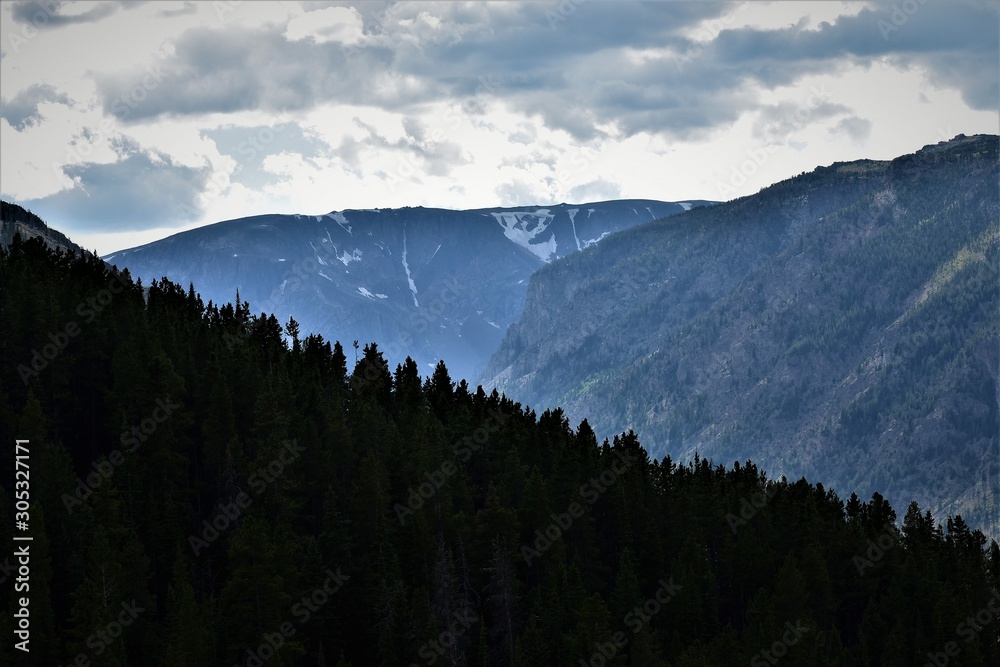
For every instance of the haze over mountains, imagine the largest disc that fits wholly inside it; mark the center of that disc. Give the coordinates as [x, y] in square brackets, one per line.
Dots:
[444, 411]
[421, 282]
[841, 325]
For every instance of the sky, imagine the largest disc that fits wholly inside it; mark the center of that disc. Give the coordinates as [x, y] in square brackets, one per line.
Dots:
[125, 122]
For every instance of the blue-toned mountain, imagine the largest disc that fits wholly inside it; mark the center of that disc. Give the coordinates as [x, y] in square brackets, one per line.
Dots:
[841, 325]
[429, 283]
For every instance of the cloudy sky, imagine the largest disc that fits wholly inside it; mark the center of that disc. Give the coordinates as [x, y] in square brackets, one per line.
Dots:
[123, 122]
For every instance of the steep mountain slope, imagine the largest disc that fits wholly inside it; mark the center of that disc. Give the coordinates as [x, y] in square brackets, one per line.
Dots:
[429, 283]
[262, 504]
[16, 220]
[842, 324]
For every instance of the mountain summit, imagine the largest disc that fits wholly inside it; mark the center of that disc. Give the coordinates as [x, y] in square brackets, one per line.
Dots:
[425, 282]
[842, 325]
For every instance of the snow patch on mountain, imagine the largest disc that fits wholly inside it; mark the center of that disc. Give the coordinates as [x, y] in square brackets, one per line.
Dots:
[322, 262]
[346, 259]
[587, 244]
[339, 218]
[523, 227]
[363, 291]
[572, 214]
[409, 278]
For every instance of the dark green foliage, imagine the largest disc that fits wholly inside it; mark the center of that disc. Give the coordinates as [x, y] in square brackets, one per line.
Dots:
[256, 494]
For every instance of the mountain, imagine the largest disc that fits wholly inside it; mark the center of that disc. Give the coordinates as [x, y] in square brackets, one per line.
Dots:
[197, 504]
[424, 282]
[16, 220]
[842, 324]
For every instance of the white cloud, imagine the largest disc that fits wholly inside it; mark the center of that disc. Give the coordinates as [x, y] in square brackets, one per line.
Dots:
[468, 105]
[333, 24]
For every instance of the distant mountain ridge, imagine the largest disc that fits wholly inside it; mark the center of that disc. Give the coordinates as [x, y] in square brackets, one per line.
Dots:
[425, 282]
[842, 325]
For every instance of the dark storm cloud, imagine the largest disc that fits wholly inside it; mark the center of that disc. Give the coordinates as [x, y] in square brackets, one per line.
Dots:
[137, 192]
[49, 13]
[21, 111]
[492, 51]
[956, 41]
[576, 67]
[240, 69]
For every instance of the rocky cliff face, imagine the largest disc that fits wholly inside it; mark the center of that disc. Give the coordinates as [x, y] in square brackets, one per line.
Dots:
[16, 220]
[841, 325]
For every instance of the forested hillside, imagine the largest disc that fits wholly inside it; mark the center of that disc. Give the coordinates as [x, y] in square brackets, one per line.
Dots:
[210, 488]
[843, 324]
